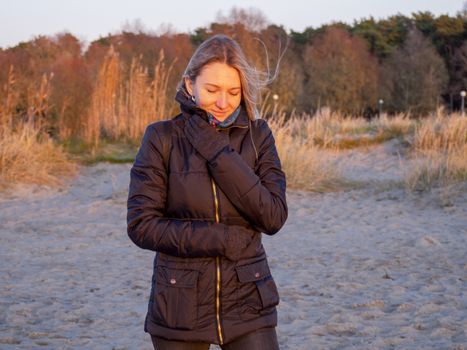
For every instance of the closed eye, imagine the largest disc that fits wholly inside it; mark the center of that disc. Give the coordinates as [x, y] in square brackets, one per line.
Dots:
[231, 93]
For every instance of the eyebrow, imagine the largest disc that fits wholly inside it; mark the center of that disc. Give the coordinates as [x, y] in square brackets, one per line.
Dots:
[217, 86]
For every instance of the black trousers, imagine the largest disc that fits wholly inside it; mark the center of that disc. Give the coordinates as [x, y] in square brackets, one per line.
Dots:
[261, 339]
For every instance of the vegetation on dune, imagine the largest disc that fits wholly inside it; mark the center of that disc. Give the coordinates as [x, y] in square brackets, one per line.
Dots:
[30, 156]
[440, 146]
[59, 101]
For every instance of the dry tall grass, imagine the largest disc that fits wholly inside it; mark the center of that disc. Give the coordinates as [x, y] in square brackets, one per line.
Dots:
[308, 146]
[31, 157]
[398, 125]
[27, 154]
[302, 160]
[8, 101]
[440, 150]
[333, 130]
[122, 106]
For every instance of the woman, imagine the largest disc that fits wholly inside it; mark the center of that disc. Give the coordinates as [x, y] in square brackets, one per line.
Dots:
[203, 188]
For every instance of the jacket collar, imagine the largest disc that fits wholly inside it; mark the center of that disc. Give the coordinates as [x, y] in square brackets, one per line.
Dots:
[189, 107]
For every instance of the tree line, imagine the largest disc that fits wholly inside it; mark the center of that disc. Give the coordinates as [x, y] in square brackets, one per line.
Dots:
[412, 64]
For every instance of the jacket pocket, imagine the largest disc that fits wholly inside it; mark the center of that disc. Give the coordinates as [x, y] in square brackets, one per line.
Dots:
[257, 291]
[175, 297]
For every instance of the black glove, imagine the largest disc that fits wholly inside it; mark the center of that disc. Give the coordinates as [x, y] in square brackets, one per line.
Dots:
[237, 240]
[204, 137]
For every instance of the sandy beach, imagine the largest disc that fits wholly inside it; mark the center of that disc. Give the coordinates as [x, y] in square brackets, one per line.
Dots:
[374, 268]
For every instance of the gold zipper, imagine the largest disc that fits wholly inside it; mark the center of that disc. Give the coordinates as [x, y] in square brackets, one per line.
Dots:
[216, 203]
[218, 271]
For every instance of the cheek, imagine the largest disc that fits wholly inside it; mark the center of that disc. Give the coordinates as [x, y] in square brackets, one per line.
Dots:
[236, 101]
[204, 99]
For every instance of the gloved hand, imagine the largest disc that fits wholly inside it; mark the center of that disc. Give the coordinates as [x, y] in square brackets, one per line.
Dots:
[238, 238]
[204, 137]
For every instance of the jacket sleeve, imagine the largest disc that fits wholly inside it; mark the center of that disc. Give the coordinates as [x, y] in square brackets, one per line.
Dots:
[146, 225]
[258, 194]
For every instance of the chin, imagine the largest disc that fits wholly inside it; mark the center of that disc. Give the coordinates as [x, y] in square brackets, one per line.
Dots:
[220, 116]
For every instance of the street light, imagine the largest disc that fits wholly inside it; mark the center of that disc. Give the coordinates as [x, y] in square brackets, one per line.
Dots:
[380, 106]
[463, 93]
[275, 97]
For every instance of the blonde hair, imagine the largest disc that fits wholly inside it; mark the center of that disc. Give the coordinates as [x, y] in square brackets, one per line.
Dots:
[223, 49]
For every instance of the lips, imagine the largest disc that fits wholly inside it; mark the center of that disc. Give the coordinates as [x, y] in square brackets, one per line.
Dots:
[218, 112]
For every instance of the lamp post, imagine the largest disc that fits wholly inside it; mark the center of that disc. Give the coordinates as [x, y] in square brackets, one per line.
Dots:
[463, 93]
[275, 97]
[380, 106]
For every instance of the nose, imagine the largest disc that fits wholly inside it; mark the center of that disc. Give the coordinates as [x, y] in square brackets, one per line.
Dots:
[222, 102]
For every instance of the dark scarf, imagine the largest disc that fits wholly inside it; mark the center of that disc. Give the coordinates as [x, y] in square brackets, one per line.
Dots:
[188, 106]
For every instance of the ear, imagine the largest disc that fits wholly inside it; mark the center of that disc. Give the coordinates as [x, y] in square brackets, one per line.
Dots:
[188, 85]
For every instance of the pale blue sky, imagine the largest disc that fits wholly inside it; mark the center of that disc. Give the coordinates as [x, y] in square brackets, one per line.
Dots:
[20, 20]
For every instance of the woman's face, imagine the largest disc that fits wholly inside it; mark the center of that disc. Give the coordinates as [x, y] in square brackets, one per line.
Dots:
[217, 89]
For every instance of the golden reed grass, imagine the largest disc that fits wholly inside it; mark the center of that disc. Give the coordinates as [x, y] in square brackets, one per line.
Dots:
[394, 126]
[333, 130]
[302, 160]
[440, 152]
[122, 106]
[27, 154]
[308, 146]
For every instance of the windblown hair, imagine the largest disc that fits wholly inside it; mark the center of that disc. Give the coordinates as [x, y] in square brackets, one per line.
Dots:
[223, 49]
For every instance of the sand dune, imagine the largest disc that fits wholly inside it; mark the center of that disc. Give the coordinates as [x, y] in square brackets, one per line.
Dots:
[364, 269]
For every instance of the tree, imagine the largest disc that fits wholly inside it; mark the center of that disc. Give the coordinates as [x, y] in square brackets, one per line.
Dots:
[394, 30]
[463, 12]
[244, 26]
[371, 32]
[341, 72]
[414, 76]
[71, 93]
[285, 60]
[458, 73]
[252, 19]
[425, 22]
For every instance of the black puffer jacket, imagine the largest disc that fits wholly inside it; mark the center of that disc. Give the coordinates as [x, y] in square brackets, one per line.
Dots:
[193, 212]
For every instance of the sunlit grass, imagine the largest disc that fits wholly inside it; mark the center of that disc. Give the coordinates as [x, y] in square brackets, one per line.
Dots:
[303, 161]
[437, 147]
[27, 156]
[440, 149]
[332, 130]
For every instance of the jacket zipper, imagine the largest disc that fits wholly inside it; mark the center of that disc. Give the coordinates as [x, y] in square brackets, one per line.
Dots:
[218, 271]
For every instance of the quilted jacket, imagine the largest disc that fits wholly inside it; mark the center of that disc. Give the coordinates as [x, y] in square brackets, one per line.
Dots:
[188, 211]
